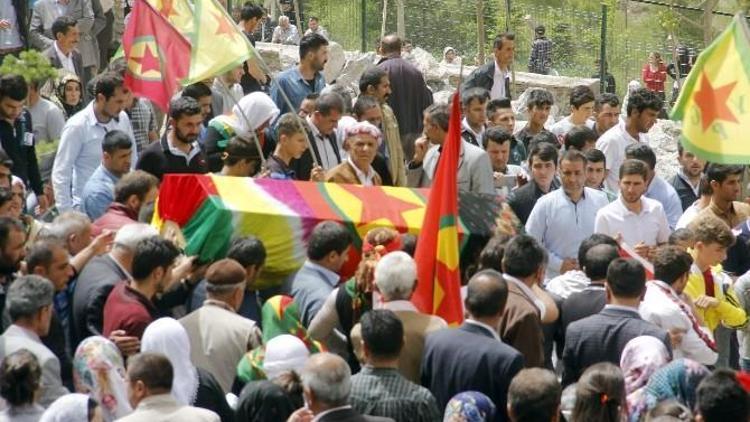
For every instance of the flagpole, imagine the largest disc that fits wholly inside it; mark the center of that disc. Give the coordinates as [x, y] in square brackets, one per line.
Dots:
[247, 121]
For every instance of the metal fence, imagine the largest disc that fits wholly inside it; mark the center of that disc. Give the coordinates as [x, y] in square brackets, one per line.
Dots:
[632, 30]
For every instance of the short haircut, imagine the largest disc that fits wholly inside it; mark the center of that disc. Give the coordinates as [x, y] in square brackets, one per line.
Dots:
[578, 137]
[154, 370]
[328, 103]
[501, 38]
[250, 11]
[671, 263]
[572, 155]
[523, 256]
[471, 94]
[596, 156]
[491, 257]
[61, 25]
[327, 237]
[364, 103]
[107, 83]
[626, 278]
[41, 253]
[497, 104]
[239, 149]
[343, 91]
[184, 106]
[606, 98]
[534, 395]
[196, 91]
[539, 97]
[382, 333]
[600, 394]
[13, 87]
[543, 151]
[20, 377]
[580, 95]
[683, 234]
[138, 183]
[486, 299]
[288, 125]
[391, 44]
[396, 275]
[69, 223]
[310, 43]
[720, 172]
[544, 136]
[116, 140]
[643, 152]
[720, 397]
[591, 241]
[643, 99]
[439, 115]
[631, 167]
[597, 260]
[371, 77]
[328, 377]
[27, 295]
[496, 135]
[247, 250]
[153, 253]
[708, 229]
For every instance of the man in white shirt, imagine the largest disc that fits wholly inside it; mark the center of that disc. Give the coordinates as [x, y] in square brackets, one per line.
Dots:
[665, 305]
[581, 109]
[474, 104]
[497, 143]
[643, 109]
[636, 220]
[285, 33]
[658, 188]
[563, 218]
[80, 149]
[495, 75]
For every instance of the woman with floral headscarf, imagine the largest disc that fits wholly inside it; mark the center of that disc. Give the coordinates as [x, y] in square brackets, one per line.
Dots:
[641, 357]
[68, 94]
[470, 406]
[99, 371]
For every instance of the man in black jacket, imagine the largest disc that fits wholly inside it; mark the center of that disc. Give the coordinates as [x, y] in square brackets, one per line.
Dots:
[543, 166]
[495, 75]
[687, 181]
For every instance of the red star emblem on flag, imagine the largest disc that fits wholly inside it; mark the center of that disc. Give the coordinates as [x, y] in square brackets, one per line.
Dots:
[148, 61]
[225, 27]
[712, 102]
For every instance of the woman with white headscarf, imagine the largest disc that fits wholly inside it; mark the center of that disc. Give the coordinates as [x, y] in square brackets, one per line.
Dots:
[191, 386]
[74, 407]
[253, 114]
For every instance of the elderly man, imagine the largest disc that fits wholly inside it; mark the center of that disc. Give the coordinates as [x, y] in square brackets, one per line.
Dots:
[362, 142]
[285, 33]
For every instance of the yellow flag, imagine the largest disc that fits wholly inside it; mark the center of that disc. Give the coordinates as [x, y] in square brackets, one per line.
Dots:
[179, 13]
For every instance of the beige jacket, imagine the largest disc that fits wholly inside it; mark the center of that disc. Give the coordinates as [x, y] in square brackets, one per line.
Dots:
[395, 149]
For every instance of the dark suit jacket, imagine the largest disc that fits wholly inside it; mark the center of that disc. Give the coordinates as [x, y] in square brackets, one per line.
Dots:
[22, 17]
[303, 166]
[684, 191]
[409, 98]
[523, 199]
[484, 77]
[51, 54]
[521, 327]
[469, 358]
[351, 415]
[602, 338]
[579, 305]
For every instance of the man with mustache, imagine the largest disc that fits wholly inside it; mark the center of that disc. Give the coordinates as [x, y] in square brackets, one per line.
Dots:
[304, 79]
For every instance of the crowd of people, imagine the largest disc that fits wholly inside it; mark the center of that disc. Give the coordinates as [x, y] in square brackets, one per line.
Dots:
[615, 295]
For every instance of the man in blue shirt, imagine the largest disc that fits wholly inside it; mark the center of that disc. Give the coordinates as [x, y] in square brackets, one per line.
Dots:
[305, 78]
[99, 190]
[658, 188]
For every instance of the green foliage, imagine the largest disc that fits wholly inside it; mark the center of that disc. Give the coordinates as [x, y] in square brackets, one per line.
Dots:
[32, 65]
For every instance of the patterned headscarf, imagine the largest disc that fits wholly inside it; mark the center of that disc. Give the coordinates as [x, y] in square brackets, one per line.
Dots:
[677, 380]
[99, 371]
[280, 315]
[469, 406]
[641, 357]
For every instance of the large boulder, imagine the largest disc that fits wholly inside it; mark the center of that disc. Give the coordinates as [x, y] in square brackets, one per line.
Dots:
[663, 138]
[336, 62]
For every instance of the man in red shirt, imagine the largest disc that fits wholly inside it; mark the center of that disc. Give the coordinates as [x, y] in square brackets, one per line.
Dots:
[132, 192]
[130, 306]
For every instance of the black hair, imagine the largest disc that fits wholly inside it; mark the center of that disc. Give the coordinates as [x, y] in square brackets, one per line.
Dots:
[643, 152]
[720, 172]
[247, 250]
[643, 99]
[497, 104]
[485, 299]
[364, 103]
[6, 225]
[600, 394]
[538, 98]
[184, 106]
[327, 237]
[543, 137]
[107, 83]
[196, 91]
[496, 135]
[626, 278]
[115, 140]
[239, 149]
[138, 183]
[671, 263]
[20, 377]
[634, 167]
[371, 77]
[152, 253]
[310, 43]
[591, 241]
[41, 253]
[382, 333]
[544, 151]
[491, 257]
[328, 103]
[597, 260]
[578, 137]
[13, 87]
[606, 98]
[523, 256]
[595, 156]
[154, 370]
[250, 11]
[580, 95]
[62, 24]
[720, 397]
[500, 38]
[572, 155]
[471, 94]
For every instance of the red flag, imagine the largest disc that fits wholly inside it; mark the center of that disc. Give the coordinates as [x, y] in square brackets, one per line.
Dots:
[157, 55]
[438, 289]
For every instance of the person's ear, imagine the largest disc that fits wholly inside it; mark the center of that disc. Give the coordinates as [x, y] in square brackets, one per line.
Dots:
[133, 202]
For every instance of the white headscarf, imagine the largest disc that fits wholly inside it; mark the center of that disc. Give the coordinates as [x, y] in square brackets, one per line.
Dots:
[68, 408]
[258, 108]
[284, 353]
[168, 337]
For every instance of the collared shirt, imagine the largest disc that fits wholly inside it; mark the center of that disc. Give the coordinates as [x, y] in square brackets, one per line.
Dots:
[478, 136]
[695, 187]
[736, 214]
[498, 83]
[564, 285]
[288, 35]
[321, 414]
[9, 38]
[650, 226]
[328, 158]
[634, 311]
[327, 275]
[528, 292]
[493, 331]
[143, 120]
[65, 60]
[728, 312]
[295, 87]
[663, 192]
[385, 392]
[561, 225]
[80, 153]
[365, 179]
[613, 143]
[195, 149]
[98, 193]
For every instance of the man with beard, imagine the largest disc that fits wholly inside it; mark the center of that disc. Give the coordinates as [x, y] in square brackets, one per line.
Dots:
[304, 79]
[178, 151]
[688, 178]
[12, 252]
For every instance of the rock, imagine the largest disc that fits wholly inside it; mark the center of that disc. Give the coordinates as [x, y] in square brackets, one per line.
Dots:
[278, 56]
[356, 64]
[336, 62]
[663, 138]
